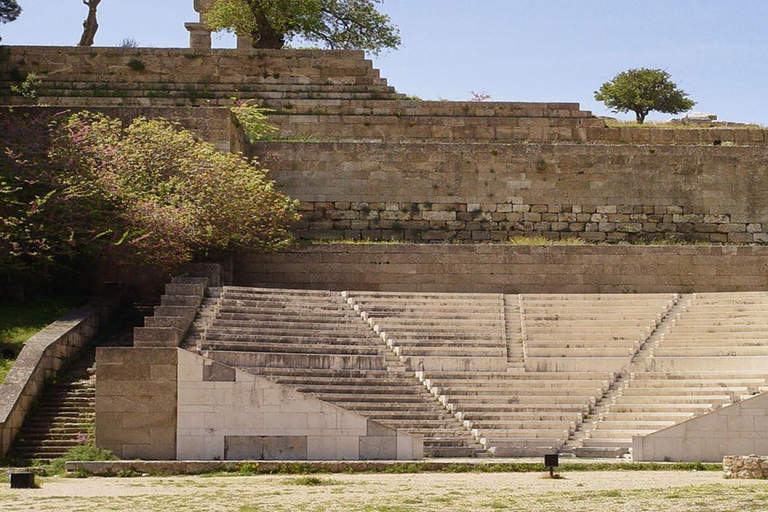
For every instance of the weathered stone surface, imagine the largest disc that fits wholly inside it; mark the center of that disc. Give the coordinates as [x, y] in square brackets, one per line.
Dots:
[136, 402]
[509, 268]
[40, 359]
[745, 467]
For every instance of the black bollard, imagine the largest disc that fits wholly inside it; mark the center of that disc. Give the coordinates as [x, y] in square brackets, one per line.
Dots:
[22, 480]
[551, 461]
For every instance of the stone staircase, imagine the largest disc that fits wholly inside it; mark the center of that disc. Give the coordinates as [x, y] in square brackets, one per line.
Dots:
[63, 417]
[313, 342]
[458, 343]
[688, 367]
[175, 77]
[588, 332]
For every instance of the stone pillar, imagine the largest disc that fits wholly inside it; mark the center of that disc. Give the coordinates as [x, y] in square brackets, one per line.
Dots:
[244, 42]
[199, 35]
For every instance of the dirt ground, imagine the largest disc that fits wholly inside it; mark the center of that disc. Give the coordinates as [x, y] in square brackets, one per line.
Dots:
[583, 491]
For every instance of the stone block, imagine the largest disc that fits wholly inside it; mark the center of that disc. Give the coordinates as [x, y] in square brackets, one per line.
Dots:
[265, 448]
[378, 447]
[148, 337]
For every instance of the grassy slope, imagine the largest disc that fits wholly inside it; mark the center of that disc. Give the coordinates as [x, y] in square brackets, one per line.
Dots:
[20, 320]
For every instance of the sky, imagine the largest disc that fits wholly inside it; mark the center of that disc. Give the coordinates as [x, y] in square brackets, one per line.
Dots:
[513, 50]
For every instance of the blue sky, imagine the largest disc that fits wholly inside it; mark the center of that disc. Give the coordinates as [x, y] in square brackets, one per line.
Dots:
[532, 50]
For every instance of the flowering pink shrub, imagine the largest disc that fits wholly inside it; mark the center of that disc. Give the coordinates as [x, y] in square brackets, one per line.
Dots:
[148, 193]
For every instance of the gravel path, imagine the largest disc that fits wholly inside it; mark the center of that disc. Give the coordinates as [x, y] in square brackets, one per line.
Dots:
[598, 490]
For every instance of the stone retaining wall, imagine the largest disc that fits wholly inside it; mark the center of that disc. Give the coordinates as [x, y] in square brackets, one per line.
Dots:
[479, 192]
[40, 359]
[508, 268]
[211, 124]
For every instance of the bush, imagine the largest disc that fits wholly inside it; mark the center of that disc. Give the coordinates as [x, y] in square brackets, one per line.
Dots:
[84, 452]
[146, 193]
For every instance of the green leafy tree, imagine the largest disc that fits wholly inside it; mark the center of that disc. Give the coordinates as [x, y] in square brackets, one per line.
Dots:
[337, 24]
[91, 188]
[642, 91]
[9, 11]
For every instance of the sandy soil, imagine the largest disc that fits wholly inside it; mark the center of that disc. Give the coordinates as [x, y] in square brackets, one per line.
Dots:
[598, 490]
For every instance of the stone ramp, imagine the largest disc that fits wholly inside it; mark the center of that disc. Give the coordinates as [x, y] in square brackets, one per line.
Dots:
[313, 342]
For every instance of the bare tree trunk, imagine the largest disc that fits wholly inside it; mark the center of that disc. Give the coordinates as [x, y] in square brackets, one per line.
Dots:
[90, 25]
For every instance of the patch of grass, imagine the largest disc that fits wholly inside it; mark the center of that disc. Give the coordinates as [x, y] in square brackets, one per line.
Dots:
[136, 65]
[540, 240]
[311, 481]
[612, 123]
[85, 452]
[20, 320]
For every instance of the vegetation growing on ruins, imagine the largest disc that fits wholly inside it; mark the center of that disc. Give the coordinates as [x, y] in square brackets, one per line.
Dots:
[337, 24]
[642, 91]
[90, 188]
[253, 120]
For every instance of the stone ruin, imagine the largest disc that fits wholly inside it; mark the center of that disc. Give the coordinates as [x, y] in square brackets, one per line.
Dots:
[200, 35]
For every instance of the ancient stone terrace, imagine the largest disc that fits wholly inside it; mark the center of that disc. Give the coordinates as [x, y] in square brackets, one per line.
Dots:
[510, 374]
[314, 94]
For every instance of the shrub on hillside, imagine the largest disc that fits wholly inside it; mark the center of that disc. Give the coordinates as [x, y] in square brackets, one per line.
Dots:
[147, 193]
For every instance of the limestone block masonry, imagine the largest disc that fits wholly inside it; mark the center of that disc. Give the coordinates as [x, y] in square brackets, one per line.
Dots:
[171, 404]
[227, 414]
[136, 392]
[737, 429]
[507, 268]
[428, 192]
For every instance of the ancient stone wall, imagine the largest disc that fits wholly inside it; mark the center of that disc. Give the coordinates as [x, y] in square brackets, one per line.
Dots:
[508, 268]
[211, 124]
[472, 192]
[229, 414]
[89, 67]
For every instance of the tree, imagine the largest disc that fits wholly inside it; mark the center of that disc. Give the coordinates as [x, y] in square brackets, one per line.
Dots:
[92, 188]
[642, 91]
[90, 25]
[338, 24]
[9, 11]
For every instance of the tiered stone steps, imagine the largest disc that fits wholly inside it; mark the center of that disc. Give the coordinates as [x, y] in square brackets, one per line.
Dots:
[63, 417]
[691, 368]
[313, 342]
[439, 331]
[588, 332]
[448, 338]
[519, 414]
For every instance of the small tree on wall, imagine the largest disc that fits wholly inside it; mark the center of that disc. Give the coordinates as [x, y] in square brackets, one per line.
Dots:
[338, 24]
[90, 25]
[642, 91]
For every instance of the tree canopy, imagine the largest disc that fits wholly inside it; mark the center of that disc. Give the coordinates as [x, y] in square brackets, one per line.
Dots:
[9, 11]
[337, 24]
[642, 91]
[149, 192]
